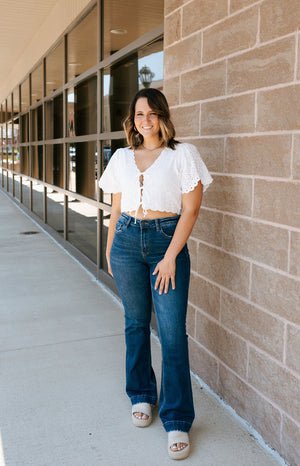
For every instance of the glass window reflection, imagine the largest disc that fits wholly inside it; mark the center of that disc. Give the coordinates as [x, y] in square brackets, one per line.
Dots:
[16, 101]
[82, 108]
[54, 69]
[54, 118]
[125, 22]
[55, 164]
[25, 95]
[24, 160]
[37, 162]
[37, 84]
[121, 81]
[82, 168]
[37, 124]
[83, 227]
[82, 45]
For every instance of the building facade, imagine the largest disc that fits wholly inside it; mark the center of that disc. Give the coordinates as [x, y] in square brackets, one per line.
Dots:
[231, 72]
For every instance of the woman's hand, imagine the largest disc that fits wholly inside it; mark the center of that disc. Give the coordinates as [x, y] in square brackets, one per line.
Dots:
[166, 271]
[108, 263]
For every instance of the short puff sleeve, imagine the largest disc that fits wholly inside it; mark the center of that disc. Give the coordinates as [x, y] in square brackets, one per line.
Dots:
[193, 170]
[109, 180]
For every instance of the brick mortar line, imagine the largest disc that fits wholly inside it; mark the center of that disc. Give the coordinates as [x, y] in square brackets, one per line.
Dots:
[236, 53]
[252, 345]
[240, 135]
[253, 219]
[249, 343]
[256, 177]
[249, 259]
[246, 382]
[253, 91]
[246, 301]
[296, 55]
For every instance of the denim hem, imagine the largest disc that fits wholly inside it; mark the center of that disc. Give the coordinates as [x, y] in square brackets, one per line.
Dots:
[182, 426]
[143, 399]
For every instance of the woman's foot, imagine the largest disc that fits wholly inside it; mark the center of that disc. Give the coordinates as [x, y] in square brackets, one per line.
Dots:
[141, 414]
[178, 445]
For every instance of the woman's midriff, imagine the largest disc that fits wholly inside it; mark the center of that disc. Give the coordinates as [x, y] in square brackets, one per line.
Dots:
[151, 214]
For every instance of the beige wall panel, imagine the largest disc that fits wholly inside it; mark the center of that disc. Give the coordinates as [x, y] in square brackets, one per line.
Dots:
[193, 250]
[279, 109]
[278, 18]
[171, 90]
[171, 5]
[295, 254]
[260, 242]
[231, 35]
[62, 14]
[228, 116]
[259, 155]
[236, 5]
[211, 151]
[291, 441]
[275, 382]
[208, 227]
[251, 406]
[276, 292]
[204, 83]
[271, 199]
[182, 56]
[293, 348]
[205, 296]
[199, 14]
[190, 321]
[224, 269]
[264, 66]
[229, 194]
[256, 326]
[172, 29]
[296, 157]
[203, 364]
[227, 347]
[186, 120]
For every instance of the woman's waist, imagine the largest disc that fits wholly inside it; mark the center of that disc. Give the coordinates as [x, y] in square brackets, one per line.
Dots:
[161, 218]
[149, 214]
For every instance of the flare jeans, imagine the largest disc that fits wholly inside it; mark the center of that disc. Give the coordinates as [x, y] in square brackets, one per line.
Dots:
[137, 247]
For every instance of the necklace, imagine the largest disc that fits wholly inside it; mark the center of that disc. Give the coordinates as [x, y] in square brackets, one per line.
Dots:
[147, 148]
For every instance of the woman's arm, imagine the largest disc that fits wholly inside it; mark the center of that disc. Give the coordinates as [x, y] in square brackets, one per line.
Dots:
[166, 268]
[115, 215]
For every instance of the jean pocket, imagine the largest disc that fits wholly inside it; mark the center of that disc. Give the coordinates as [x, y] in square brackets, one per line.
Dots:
[121, 225]
[168, 230]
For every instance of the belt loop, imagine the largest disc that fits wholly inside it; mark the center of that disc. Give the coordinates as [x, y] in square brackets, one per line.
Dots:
[157, 224]
[128, 221]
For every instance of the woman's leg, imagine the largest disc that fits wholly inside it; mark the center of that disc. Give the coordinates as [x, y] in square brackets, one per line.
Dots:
[176, 401]
[132, 278]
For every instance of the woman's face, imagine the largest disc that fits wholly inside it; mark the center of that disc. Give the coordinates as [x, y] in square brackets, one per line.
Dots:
[146, 120]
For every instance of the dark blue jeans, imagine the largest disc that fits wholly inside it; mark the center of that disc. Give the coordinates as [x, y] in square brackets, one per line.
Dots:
[137, 248]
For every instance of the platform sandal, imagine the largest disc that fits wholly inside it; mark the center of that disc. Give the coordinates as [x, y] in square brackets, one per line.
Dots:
[176, 436]
[144, 408]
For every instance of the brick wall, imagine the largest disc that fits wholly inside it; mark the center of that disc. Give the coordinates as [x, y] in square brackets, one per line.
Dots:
[232, 78]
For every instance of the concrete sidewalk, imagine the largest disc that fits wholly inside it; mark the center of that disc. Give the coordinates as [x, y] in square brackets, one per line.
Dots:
[62, 400]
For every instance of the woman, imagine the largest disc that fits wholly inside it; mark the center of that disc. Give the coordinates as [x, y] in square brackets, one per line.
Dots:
[157, 186]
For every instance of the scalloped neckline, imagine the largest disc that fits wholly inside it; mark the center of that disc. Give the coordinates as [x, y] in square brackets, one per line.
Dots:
[150, 166]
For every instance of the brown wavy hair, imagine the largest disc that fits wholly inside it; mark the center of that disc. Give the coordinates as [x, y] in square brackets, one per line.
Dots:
[158, 103]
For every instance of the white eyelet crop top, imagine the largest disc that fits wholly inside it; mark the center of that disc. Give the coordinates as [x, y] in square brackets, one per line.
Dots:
[174, 172]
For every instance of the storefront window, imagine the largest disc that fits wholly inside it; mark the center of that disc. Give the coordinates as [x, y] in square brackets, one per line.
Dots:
[25, 95]
[55, 164]
[55, 210]
[82, 168]
[37, 124]
[82, 45]
[25, 128]
[24, 160]
[54, 69]
[83, 227]
[16, 101]
[109, 147]
[37, 84]
[37, 162]
[54, 118]
[125, 22]
[82, 108]
[121, 81]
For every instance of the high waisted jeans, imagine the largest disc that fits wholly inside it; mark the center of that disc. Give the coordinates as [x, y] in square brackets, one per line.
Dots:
[137, 248]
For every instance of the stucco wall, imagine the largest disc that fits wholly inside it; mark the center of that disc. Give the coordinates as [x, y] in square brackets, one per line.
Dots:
[232, 77]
